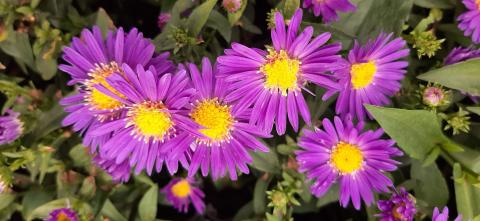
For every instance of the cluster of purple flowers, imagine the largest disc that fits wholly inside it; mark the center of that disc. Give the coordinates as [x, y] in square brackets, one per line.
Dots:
[137, 111]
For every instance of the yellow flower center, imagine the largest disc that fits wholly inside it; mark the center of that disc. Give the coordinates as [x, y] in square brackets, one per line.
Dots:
[346, 158]
[98, 99]
[181, 189]
[281, 72]
[215, 117]
[398, 216]
[362, 74]
[62, 217]
[151, 120]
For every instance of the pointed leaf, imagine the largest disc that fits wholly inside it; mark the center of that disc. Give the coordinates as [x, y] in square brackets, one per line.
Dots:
[467, 195]
[199, 17]
[147, 208]
[431, 185]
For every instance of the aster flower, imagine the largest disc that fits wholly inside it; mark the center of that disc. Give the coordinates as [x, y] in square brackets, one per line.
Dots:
[226, 133]
[153, 117]
[91, 59]
[10, 127]
[343, 152]
[273, 80]
[328, 8]
[163, 19]
[469, 22]
[63, 214]
[373, 74]
[460, 54]
[180, 192]
[232, 6]
[400, 207]
[443, 216]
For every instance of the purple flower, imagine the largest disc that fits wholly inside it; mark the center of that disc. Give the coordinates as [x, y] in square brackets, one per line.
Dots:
[469, 22]
[10, 127]
[232, 6]
[400, 207]
[180, 192]
[342, 152]
[63, 214]
[154, 115]
[443, 216]
[163, 19]
[120, 172]
[328, 8]
[372, 76]
[273, 80]
[461, 54]
[227, 135]
[91, 59]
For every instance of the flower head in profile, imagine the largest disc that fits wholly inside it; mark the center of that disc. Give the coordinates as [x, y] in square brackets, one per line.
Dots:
[443, 216]
[226, 134]
[468, 21]
[328, 8]
[345, 153]
[63, 214]
[91, 59]
[372, 76]
[11, 127]
[459, 54]
[163, 19]
[400, 207]
[153, 117]
[180, 192]
[273, 80]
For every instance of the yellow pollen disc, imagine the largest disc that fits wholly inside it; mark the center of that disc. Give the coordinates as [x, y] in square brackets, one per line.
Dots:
[62, 217]
[97, 99]
[398, 216]
[181, 189]
[281, 72]
[346, 158]
[362, 74]
[151, 120]
[215, 117]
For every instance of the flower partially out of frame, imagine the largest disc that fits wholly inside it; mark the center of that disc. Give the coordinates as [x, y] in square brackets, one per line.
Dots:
[469, 22]
[400, 207]
[63, 214]
[443, 216]
[11, 127]
[328, 8]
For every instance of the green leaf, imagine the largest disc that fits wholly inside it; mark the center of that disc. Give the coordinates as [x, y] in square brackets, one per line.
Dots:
[199, 17]
[475, 110]
[147, 208]
[329, 197]
[462, 76]
[46, 68]
[432, 156]
[373, 17]
[18, 46]
[259, 196]
[79, 155]
[431, 186]
[6, 199]
[469, 158]
[245, 212]
[218, 22]
[467, 195]
[289, 8]
[415, 131]
[111, 212]
[267, 162]
[441, 4]
[104, 21]
[48, 121]
[234, 17]
[33, 199]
